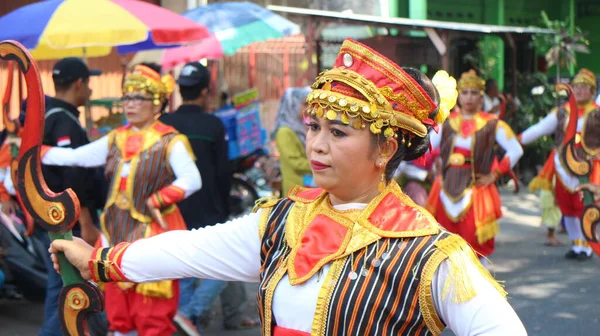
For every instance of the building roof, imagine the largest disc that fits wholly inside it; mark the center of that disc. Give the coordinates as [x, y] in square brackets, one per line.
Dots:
[349, 17]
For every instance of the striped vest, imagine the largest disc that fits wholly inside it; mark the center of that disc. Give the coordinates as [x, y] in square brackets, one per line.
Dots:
[126, 216]
[382, 286]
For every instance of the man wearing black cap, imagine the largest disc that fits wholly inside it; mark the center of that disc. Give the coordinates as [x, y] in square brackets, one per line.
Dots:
[71, 82]
[209, 205]
[207, 136]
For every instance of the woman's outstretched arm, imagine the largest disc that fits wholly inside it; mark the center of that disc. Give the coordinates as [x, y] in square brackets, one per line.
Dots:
[229, 251]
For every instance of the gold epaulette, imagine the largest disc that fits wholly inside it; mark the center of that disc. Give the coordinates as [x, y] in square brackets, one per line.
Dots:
[265, 202]
[460, 256]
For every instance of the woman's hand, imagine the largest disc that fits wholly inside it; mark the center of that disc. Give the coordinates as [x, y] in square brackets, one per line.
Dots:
[10, 207]
[156, 215]
[77, 251]
[593, 188]
[483, 180]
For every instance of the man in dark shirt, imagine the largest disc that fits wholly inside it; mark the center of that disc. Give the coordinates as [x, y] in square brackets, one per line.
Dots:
[63, 129]
[209, 205]
[206, 133]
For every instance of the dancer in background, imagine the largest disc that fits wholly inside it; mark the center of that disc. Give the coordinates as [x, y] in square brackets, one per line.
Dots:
[587, 137]
[464, 198]
[150, 168]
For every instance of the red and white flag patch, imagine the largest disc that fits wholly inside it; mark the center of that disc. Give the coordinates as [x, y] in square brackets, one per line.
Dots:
[63, 141]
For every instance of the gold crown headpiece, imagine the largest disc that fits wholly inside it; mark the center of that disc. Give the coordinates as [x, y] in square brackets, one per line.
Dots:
[470, 80]
[585, 76]
[145, 79]
[364, 86]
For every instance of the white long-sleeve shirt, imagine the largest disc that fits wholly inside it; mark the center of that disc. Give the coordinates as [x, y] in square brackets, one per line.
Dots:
[503, 136]
[231, 252]
[187, 176]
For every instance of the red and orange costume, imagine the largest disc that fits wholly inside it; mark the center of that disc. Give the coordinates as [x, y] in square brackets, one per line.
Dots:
[587, 142]
[467, 150]
[149, 165]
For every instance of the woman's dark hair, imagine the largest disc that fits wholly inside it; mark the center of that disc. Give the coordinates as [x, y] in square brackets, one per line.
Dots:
[418, 145]
[158, 69]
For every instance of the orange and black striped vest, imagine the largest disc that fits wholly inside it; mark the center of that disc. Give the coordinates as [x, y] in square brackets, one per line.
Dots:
[126, 216]
[380, 285]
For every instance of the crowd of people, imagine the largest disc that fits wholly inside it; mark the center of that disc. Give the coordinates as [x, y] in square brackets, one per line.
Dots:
[388, 215]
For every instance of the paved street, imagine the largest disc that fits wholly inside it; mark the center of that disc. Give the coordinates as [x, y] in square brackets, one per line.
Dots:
[553, 296]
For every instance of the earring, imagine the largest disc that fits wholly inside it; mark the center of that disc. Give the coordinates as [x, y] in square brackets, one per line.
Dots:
[381, 184]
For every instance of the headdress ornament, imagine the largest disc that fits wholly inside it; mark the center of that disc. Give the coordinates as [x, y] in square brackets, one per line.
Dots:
[147, 80]
[364, 86]
[470, 80]
[585, 76]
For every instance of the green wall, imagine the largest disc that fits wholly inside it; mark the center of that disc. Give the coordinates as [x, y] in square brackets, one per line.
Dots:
[515, 13]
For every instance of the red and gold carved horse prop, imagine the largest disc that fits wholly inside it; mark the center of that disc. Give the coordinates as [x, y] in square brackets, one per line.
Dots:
[55, 212]
[582, 168]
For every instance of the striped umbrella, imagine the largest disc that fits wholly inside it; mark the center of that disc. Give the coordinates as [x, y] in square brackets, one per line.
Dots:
[234, 25]
[60, 28]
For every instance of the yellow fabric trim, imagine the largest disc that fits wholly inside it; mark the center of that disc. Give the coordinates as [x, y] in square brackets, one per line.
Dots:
[269, 292]
[510, 134]
[263, 221]
[264, 203]
[186, 143]
[487, 229]
[325, 295]
[430, 315]
[160, 289]
[460, 256]
[293, 194]
[457, 120]
[539, 183]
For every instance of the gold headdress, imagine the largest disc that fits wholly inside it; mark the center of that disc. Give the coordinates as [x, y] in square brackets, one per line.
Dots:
[585, 76]
[368, 87]
[148, 81]
[471, 80]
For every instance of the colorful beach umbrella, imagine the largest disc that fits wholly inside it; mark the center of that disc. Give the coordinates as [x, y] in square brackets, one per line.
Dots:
[59, 28]
[233, 24]
[237, 24]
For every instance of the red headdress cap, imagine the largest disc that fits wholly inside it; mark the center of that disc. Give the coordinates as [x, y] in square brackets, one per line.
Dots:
[366, 86]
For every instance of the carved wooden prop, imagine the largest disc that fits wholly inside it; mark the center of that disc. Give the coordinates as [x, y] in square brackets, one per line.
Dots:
[55, 212]
[582, 168]
[13, 129]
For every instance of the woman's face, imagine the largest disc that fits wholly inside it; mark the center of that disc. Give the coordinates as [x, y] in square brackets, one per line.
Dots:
[342, 158]
[139, 108]
[470, 99]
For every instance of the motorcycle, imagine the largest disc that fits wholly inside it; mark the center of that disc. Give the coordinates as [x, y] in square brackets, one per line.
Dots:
[249, 182]
[22, 261]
